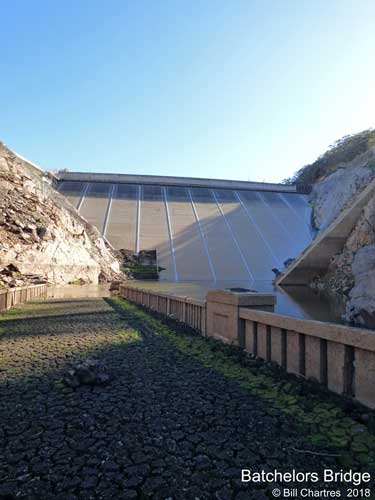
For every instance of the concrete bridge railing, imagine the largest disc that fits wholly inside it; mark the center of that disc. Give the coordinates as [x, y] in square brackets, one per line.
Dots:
[190, 311]
[10, 297]
[341, 358]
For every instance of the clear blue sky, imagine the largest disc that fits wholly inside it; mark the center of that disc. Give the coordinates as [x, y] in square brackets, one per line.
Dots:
[249, 89]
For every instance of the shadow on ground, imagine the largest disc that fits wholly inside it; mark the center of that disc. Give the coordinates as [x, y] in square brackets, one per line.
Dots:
[165, 427]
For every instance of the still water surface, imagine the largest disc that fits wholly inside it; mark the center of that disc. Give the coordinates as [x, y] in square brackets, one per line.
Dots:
[297, 301]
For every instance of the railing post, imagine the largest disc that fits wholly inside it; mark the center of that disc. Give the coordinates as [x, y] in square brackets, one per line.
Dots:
[242, 333]
[223, 306]
[168, 306]
[10, 297]
[184, 312]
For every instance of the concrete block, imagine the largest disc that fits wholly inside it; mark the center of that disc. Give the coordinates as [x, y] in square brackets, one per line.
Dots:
[221, 322]
[223, 306]
[241, 299]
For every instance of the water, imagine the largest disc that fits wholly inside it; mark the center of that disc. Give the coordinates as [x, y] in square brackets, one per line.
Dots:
[314, 304]
[78, 291]
[296, 301]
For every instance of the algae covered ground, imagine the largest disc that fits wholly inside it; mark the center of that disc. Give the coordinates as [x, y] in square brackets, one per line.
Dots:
[180, 418]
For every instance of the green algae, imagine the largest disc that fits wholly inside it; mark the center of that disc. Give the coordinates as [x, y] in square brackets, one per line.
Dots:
[323, 422]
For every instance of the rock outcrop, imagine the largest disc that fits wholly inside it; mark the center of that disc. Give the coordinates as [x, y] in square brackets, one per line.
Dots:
[88, 372]
[352, 271]
[335, 192]
[42, 234]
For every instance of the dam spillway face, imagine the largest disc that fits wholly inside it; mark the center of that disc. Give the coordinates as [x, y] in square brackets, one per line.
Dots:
[233, 235]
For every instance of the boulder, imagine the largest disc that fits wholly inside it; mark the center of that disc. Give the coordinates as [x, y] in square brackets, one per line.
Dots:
[4, 168]
[89, 372]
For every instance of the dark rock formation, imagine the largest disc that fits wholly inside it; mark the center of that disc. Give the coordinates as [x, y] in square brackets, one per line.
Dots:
[141, 266]
[89, 372]
[276, 271]
[287, 262]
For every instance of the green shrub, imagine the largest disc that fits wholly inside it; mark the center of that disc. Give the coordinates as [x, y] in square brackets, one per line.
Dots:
[342, 151]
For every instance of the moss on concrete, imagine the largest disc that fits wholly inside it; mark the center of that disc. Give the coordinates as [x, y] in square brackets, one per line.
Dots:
[323, 417]
[141, 271]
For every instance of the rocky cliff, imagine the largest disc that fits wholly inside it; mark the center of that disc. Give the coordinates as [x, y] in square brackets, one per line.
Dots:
[352, 271]
[42, 236]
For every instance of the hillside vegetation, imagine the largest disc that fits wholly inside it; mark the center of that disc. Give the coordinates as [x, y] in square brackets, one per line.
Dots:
[341, 153]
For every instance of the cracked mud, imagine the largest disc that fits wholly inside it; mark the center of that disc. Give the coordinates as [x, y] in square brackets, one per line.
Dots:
[165, 427]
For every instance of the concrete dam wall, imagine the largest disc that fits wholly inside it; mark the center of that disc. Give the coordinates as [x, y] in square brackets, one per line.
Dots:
[218, 232]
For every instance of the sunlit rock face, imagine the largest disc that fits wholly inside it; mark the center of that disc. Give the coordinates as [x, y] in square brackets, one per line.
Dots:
[42, 234]
[352, 271]
[336, 191]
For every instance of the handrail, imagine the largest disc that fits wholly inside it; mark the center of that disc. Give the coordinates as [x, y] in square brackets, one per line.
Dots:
[10, 297]
[341, 358]
[342, 334]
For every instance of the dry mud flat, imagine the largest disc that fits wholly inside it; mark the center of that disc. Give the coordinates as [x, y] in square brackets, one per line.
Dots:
[167, 426]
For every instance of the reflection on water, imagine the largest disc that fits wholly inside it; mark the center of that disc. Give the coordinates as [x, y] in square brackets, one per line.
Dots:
[296, 301]
[314, 304]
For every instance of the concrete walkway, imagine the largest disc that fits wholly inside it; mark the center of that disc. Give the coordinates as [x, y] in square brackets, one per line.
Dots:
[165, 427]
